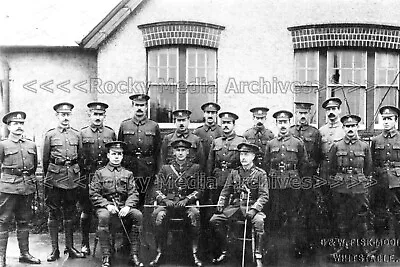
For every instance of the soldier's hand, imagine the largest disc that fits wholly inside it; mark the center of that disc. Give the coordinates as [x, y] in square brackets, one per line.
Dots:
[168, 203]
[112, 209]
[124, 211]
[251, 213]
[182, 203]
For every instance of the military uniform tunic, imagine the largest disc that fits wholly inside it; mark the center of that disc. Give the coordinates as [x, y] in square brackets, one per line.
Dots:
[259, 136]
[234, 195]
[18, 158]
[142, 154]
[207, 135]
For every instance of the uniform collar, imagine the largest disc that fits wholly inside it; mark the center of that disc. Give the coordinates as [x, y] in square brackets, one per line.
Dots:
[300, 127]
[247, 170]
[335, 124]
[210, 127]
[283, 137]
[183, 134]
[389, 134]
[259, 129]
[180, 167]
[229, 137]
[113, 168]
[63, 129]
[139, 122]
[96, 128]
[15, 139]
[348, 140]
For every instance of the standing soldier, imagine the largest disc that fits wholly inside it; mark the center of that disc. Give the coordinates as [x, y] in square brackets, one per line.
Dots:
[177, 186]
[350, 169]
[61, 170]
[286, 162]
[143, 140]
[182, 120]
[224, 154]
[385, 151]
[94, 155]
[258, 134]
[115, 198]
[313, 207]
[247, 179]
[18, 158]
[210, 130]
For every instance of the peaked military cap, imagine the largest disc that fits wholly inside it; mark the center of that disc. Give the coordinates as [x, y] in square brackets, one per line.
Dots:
[63, 107]
[116, 145]
[181, 113]
[97, 106]
[210, 106]
[139, 97]
[350, 119]
[282, 114]
[19, 116]
[259, 111]
[181, 143]
[228, 116]
[332, 102]
[247, 147]
[388, 111]
[303, 106]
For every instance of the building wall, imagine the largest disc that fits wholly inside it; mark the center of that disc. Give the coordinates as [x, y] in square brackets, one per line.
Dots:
[255, 43]
[42, 66]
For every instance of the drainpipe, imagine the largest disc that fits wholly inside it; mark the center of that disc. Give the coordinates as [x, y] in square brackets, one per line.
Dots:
[5, 94]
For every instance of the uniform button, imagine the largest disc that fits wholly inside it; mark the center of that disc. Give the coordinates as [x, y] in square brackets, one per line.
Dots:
[139, 131]
[351, 151]
[351, 159]
[331, 134]
[99, 146]
[388, 153]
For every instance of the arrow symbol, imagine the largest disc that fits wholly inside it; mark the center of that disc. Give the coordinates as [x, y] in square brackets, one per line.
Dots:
[319, 182]
[61, 86]
[45, 85]
[370, 182]
[335, 183]
[353, 183]
[28, 85]
[79, 87]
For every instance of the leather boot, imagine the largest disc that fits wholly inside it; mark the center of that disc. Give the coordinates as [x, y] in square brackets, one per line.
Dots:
[135, 247]
[160, 244]
[259, 249]
[195, 248]
[104, 240]
[3, 248]
[23, 243]
[53, 231]
[221, 239]
[69, 241]
[125, 246]
[106, 261]
[85, 228]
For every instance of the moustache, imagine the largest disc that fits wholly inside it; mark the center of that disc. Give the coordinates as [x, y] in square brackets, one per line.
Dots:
[331, 115]
[259, 124]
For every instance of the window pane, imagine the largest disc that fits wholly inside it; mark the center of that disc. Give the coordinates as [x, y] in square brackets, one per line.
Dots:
[300, 60]
[201, 59]
[390, 99]
[392, 60]
[381, 76]
[173, 75]
[198, 95]
[201, 75]
[355, 98]
[211, 75]
[211, 58]
[346, 59]
[162, 74]
[346, 76]
[380, 60]
[191, 75]
[172, 59]
[191, 59]
[392, 76]
[312, 59]
[311, 76]
[359, 60]
[152, 58]
[162, 60]
[359, 77]
[301, 75]
[163, 102]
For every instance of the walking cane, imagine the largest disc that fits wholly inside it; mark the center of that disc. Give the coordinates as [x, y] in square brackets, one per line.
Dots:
[122, 223]
[245, 223]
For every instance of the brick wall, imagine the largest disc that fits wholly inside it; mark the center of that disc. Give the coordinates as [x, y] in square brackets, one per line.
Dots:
[181, 32]
[346, 35]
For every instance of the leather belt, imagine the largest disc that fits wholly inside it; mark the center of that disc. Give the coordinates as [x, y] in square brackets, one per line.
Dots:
[18, 172]
[351, 170]
[223, 165]
[63, 162]
[390, 164]
[284, 166]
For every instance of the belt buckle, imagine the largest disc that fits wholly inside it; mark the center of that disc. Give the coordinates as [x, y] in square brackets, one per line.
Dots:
[224, 165]
[138, 154]
[25, 173]
[67, 163]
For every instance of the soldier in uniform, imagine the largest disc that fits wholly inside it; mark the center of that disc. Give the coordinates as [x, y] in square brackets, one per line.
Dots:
[210, 130]
[350, 169]
[286, 162]
[182, 120]
[94, 155]
[224, 154]
[258, 134]
[62, 179]
[18, 158]
[331, 132]
[385, 151]
[177, 186]
[241, 181]
[143, 139]
[115, 197]
[312, 205]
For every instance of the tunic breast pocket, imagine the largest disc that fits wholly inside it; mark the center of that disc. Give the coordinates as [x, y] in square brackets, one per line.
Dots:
[122, 185]
[11, 156]
[87, 142]
[56, 142]
[128, 135]
[343, 159]
[379, 152]
[359, 155]
[396, 151]
[149, 136]
[73, 142]
[31, 158]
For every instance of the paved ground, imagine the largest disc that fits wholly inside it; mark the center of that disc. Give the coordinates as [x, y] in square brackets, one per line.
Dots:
[279, 255]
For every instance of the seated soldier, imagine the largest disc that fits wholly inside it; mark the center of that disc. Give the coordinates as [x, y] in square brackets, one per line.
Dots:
[113, 194]
[246, 178]
[176, 187]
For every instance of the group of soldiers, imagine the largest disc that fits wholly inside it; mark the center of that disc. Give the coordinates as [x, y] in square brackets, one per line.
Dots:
[208, 177]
